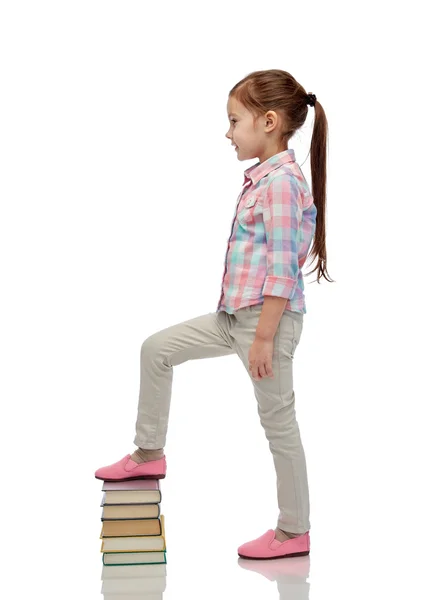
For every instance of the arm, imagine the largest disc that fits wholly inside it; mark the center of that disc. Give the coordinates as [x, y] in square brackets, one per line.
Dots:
[280, 215]
[269, 319]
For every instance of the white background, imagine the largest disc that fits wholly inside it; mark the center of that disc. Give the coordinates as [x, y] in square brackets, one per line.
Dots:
[118, 188]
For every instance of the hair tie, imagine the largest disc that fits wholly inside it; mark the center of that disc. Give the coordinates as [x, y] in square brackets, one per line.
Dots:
[311, 99]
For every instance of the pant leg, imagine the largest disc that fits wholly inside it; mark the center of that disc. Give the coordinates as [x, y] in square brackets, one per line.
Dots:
[205, 336]
[276, 408]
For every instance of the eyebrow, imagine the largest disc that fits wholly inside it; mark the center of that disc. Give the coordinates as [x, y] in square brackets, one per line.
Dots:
[233, 115]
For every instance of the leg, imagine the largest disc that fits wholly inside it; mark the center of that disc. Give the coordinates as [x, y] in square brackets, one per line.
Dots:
[276, 408]
[205, 336]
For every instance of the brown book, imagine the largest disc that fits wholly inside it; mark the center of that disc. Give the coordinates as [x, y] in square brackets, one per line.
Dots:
[131, 527]
[137, 543]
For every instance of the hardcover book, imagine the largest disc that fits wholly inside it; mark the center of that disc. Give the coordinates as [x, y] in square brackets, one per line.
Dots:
[117, 559]
[128, 511]
[131, 527]
[137, 543]
[132, 491]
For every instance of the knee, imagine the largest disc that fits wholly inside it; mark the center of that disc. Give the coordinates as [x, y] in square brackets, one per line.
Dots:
[151, 344]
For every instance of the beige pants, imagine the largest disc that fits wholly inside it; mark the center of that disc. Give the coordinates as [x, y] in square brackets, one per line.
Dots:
[220, 334]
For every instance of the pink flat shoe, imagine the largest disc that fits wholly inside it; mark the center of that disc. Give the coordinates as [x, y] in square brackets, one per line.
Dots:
[126, 468]
[266, 546]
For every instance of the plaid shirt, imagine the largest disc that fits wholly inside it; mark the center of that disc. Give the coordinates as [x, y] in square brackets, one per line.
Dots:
[273, 226]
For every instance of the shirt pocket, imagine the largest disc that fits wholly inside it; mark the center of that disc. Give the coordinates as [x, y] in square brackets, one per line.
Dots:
[247, 215]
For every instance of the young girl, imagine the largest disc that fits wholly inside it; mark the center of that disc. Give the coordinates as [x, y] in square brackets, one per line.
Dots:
[260, 312]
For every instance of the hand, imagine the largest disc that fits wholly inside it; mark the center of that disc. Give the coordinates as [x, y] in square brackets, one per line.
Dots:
[260, 358]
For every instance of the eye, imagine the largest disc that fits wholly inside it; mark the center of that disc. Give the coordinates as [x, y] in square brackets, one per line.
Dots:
[232, 120]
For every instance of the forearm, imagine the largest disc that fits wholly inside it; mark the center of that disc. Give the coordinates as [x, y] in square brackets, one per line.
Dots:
[272, 311]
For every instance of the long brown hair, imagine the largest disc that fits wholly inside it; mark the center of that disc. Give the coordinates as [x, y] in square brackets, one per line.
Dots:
[274, 89]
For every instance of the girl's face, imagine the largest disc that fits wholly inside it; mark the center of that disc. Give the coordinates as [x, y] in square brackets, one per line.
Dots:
[245, 135]
[252, 137]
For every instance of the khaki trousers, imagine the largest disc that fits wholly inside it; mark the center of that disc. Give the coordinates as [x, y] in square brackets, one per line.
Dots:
[220, 334]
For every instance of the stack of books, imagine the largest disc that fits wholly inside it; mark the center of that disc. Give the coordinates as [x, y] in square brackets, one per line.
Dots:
[133, 541]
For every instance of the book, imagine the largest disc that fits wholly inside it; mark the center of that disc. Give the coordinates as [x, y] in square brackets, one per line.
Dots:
[128, 511]
[138, 543]
[131, 527]
[118, 559]
[134, 571]
[132, 491]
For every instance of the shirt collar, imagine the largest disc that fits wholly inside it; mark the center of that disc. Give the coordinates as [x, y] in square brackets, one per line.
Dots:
[259, 170]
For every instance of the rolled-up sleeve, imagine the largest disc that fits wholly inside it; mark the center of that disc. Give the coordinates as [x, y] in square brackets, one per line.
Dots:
[280, 217]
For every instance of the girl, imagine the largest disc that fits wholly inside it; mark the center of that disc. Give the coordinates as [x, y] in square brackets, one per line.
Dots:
[262, 304]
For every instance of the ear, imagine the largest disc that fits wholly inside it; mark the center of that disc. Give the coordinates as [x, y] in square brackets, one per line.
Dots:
[271, 119]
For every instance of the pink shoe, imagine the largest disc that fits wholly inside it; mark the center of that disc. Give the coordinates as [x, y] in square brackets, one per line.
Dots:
[126, 468]
[266, 546]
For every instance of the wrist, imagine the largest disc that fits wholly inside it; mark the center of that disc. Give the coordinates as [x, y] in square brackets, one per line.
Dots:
[264, 336]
